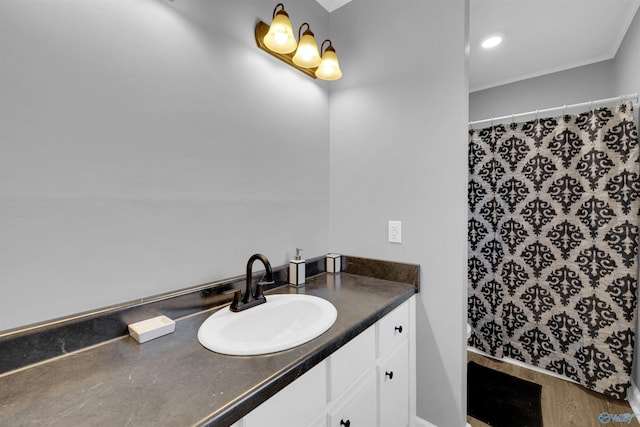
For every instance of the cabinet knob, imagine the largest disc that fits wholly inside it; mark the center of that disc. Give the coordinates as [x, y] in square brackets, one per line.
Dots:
[389, 374]
[399, 329]
[345, 423]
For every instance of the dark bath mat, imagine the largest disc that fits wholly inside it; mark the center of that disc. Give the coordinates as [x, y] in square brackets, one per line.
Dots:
[502, 400]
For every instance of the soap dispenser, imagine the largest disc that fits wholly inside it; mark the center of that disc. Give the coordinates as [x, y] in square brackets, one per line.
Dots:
[297, 270]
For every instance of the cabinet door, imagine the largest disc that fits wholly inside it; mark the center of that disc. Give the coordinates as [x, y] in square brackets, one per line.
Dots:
[351, 362]
[393, 329]
[295, 405]
[393, 388]
[359, 407]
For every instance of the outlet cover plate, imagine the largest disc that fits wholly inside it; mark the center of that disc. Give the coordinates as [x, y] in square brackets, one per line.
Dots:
[395, 231]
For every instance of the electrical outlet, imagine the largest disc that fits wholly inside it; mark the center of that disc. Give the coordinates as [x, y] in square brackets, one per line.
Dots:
[395, 231]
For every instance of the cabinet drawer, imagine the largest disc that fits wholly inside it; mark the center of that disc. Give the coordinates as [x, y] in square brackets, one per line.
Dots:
[393, 388]
[309, 392]
[347, 365]
[393, 329]
[359, 408]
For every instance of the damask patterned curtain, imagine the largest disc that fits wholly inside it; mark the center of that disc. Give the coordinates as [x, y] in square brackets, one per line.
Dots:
[553, 244]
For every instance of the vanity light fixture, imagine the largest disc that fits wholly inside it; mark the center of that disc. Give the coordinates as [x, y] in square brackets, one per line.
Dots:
[280, 38]
[329, 69]
[279, 41]
[307, 55]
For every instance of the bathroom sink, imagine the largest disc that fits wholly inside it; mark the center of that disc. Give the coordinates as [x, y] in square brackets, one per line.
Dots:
[283, 322]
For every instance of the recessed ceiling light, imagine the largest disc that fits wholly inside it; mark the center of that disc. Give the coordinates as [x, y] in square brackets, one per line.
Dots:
[491, 41]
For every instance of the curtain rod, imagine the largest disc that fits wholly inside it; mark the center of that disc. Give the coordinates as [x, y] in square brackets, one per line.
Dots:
[622, 98]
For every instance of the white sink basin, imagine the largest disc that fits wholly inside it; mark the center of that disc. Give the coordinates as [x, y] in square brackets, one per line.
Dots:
[283, 322]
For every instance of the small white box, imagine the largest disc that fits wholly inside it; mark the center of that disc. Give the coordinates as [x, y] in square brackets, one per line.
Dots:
[297, 272]
[334, 262]
[149, 329]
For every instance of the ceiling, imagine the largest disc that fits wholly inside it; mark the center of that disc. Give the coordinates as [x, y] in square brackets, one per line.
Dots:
[540, 36]
[543, 36]
[332, 5]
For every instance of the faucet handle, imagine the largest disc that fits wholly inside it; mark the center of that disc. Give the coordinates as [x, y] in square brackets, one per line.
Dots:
[237, 294]
[260, 289]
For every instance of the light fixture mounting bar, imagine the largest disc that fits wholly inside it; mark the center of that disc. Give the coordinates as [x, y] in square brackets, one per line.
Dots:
[261, 31]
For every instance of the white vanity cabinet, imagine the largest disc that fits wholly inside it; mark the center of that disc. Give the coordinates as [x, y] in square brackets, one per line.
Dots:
[393, 330]
[351, 363]
[357, 407]
[295, 405]
[393, 367]
[393, 388]
[352, 382]
[369, 382]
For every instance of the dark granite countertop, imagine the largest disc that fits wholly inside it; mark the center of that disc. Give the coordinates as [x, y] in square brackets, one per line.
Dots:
[173, 380]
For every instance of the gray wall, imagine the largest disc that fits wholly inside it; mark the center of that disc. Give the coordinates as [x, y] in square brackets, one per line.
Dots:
[148, 146]
[619, 76]
[398, 152]
[581, 84]
[627, 70]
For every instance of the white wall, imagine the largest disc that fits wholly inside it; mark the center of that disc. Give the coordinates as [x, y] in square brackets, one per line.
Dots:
[398, 152]
[149, 145]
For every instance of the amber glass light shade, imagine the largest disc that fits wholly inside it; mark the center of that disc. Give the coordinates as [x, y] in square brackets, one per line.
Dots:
[307, 55]
[280, 37]
[329, 69]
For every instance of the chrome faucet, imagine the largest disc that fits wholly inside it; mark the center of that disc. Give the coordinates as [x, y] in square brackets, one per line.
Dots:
[251, 298]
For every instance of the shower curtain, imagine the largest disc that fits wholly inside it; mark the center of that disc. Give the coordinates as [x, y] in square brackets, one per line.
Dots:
[553, 243]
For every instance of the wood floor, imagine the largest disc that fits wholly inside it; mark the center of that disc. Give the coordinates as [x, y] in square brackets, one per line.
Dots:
[564, 404]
